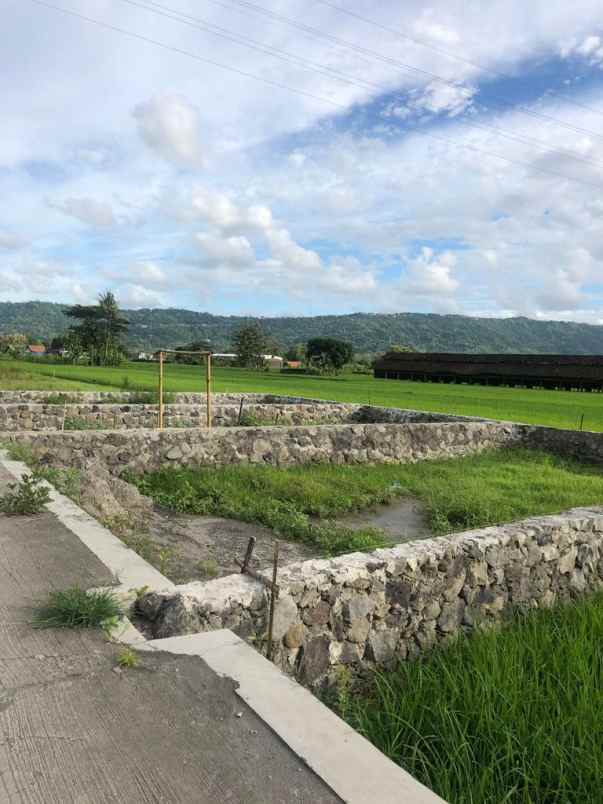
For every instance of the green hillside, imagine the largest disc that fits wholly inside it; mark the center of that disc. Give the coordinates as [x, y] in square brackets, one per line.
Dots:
[368, 332]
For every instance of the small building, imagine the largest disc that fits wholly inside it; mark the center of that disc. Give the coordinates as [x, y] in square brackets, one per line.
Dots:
[273, 361]
[293, 364]
[36, 349]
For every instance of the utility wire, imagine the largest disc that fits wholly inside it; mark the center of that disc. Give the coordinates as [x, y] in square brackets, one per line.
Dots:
[216, 30]
[400, 65]
[149, 40]
[442, 51]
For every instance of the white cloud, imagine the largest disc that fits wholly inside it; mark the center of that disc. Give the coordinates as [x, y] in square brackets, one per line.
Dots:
[230, 251]
[133, 295]
[86, 210]
[148, 272]
[590, 48]
[171, 126]
[221, 211]
[430, 275]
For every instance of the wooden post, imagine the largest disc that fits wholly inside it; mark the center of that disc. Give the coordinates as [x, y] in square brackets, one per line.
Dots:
[208, 388]
[161, 390]
[273, 596]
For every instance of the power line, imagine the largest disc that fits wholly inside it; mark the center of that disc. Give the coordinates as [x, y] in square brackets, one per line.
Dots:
[216, 30]
[444, 52]
[254, 8]
[182, 52]
[280, 85]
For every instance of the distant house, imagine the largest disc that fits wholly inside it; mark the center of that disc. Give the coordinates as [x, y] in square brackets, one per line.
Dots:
[145, 356]
[294, 364]
[273, 361]
[36, 349]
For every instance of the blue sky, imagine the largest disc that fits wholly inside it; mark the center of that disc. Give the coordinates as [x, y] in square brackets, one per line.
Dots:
[437, 158]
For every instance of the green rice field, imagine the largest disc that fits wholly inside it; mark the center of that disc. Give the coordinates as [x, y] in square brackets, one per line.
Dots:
[512, 714]
[533, 406]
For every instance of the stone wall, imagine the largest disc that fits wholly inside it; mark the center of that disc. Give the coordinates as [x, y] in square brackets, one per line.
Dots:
[111, 416]
[23, 416]
[147, 450]
[583, 446]
[117, 396]
[364, 610]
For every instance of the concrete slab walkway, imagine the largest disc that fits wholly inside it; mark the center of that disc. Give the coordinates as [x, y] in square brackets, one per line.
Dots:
[74, 729]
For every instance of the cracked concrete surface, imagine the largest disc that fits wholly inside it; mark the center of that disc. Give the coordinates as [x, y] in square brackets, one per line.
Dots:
[73, 728]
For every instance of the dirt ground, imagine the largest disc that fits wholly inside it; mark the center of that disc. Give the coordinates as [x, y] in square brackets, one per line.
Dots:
[199, 548]
[203, 547]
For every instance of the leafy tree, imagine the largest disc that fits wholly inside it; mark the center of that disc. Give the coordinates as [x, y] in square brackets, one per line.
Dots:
[13, 345]
[100, 330]
[328, 354]
[249, 343]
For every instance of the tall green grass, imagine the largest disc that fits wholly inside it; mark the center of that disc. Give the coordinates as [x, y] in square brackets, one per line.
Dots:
[532, 406]
[477, 490]
[510, 715]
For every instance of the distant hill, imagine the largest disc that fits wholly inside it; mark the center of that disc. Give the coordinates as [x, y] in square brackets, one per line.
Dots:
[368, 332]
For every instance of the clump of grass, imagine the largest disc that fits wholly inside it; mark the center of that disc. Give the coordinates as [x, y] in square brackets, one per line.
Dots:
[77, 608]
[128, 659]
[208, 567]
[56, 399]
[18, 451]
[506, 715]
[78, 423]
[66, 480]
[25, 498]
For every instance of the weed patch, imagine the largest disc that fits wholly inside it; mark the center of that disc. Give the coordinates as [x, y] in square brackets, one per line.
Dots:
[25, 498]
[77, 608]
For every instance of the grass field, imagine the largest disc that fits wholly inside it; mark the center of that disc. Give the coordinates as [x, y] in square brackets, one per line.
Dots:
[15, 377]
[478, 490]
[508, 715]
[532, 406]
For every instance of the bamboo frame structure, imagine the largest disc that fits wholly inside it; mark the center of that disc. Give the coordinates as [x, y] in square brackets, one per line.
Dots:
[207, 355]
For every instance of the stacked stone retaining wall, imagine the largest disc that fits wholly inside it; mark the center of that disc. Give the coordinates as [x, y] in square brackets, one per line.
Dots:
[111, 416]
[364, 610]
[147, 450]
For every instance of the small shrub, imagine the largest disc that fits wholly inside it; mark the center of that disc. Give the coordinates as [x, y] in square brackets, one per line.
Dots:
[77, 608]
[127, 659]
[28, 497]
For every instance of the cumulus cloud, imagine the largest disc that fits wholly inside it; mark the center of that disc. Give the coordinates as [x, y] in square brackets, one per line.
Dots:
[430, 274]
[230, 251]
[86, 210]
[133, 295]
[589, 48]
[219, 210]
[171, 126]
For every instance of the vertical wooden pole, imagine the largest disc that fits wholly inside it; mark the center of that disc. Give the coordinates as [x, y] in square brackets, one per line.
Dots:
[161, 390]
[208, 388]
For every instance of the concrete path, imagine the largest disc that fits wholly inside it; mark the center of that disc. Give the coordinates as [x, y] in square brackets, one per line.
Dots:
[75, 729]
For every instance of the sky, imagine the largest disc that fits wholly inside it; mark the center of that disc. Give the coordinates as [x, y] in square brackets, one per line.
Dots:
[306, 158]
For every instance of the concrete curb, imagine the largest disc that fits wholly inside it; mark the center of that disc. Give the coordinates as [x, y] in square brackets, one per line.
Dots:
[352, 767]
[132, 571]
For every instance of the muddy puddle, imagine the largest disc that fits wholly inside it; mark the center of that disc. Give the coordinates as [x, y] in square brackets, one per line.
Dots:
[402, 520]
[200, 548]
